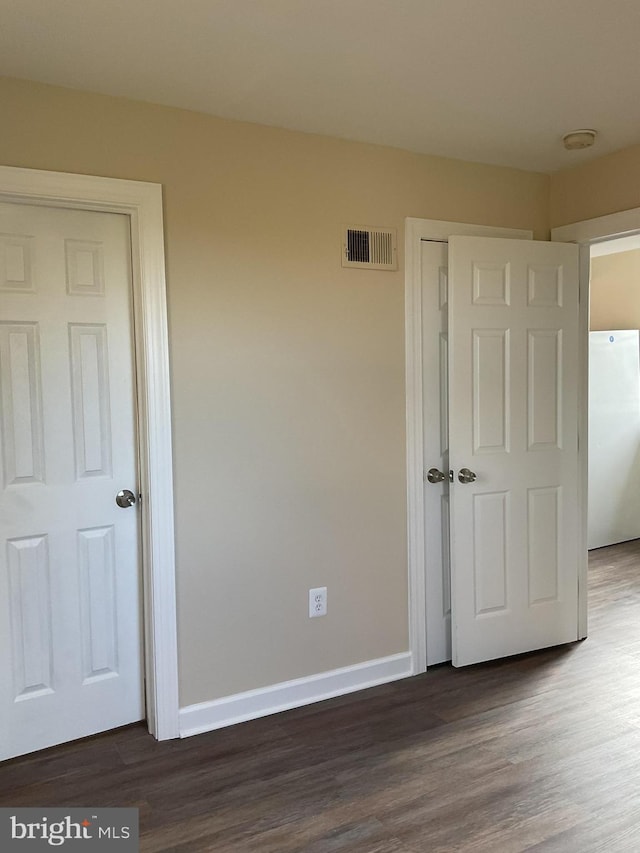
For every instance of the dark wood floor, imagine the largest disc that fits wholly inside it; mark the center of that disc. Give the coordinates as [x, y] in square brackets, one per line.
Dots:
[540, 753]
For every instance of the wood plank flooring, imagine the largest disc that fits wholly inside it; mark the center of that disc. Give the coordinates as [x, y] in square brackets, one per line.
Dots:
[538, 753]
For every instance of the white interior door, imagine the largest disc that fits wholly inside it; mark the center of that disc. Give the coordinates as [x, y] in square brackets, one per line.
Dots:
[435, 356]
[70, 622]
[513, 425]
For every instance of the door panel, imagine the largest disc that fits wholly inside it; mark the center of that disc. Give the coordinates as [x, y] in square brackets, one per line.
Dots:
[513, 377]
[70, 625]
[491, 403]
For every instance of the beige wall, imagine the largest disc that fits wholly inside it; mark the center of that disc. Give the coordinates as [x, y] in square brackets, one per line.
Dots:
[615, 291]
[606, 185]
[287, 371]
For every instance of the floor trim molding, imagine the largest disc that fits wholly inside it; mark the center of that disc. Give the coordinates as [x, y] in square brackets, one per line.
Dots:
[240, 707]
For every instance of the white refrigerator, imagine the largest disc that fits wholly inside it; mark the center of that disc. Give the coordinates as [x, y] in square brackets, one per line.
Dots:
[614, 437]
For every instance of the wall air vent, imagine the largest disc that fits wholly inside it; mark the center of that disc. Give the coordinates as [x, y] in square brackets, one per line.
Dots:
[370, 248]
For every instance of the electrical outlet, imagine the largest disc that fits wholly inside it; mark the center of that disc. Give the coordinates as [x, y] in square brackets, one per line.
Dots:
[318, 601]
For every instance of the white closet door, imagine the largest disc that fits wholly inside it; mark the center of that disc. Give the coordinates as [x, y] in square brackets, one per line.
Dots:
[435, 357]
[513, 417]
[70, 623]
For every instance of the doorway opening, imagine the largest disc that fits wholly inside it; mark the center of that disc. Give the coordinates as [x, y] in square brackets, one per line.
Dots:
[613, 526]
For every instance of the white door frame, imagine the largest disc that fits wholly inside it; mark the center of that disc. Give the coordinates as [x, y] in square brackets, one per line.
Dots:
[417, 230]
[586, 233]
[142, 203]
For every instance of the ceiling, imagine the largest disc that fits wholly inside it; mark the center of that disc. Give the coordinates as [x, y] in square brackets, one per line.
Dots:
[494, 81]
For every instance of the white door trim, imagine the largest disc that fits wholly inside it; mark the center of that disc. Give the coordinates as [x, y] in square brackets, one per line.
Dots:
[142, 202]
[601, 228]
[415, 231]
[586, 233]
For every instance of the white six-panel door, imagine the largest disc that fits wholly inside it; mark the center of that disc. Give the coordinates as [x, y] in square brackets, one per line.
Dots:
[70, 623]
[513, 377]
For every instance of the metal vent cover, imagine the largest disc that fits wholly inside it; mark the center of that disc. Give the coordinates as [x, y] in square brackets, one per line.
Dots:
[370, 248]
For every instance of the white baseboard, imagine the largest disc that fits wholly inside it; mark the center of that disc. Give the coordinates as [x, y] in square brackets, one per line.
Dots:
[207, 716]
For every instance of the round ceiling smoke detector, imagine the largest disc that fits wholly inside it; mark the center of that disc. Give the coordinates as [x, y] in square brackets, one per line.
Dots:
[577, 139]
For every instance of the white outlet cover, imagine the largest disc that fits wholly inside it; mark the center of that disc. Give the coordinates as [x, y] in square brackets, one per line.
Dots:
[318, 602]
